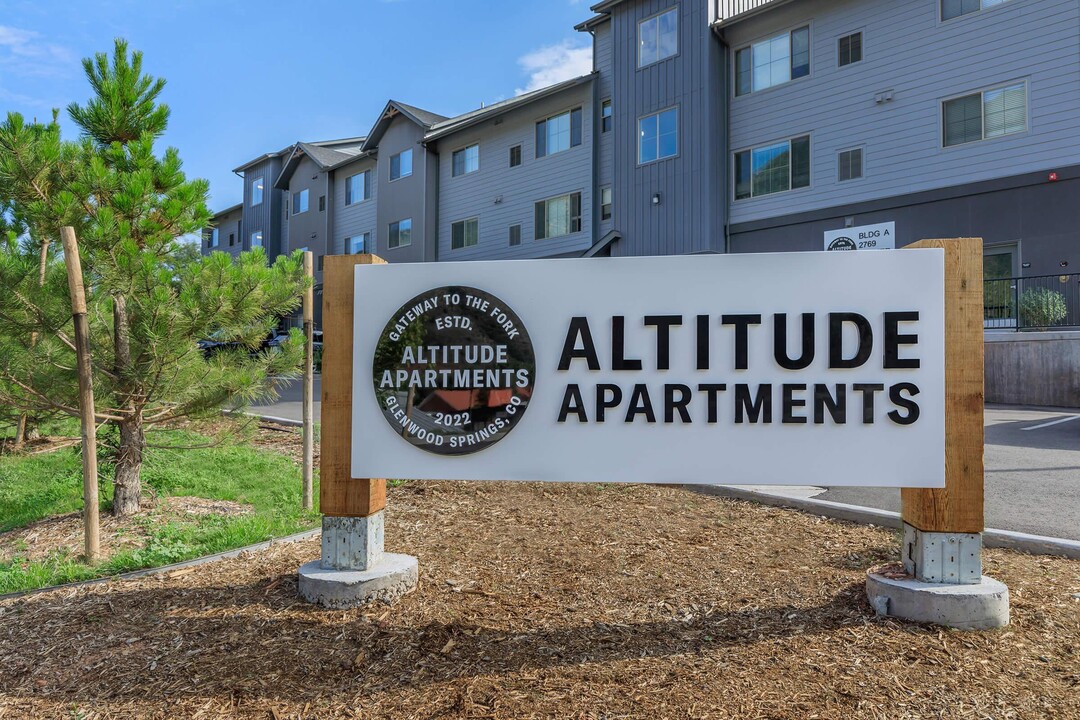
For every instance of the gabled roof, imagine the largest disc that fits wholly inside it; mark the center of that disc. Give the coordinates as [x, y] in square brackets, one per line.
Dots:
[226, 211]
[588, 25]
[452, 125]
[423, 118]
[261, 158]
[321, 153]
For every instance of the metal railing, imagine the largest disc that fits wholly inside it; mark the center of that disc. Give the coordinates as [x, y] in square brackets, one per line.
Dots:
[727, 9]
[1039, 302]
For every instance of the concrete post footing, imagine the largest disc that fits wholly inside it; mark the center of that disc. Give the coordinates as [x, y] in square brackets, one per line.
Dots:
[974, 606]
[394, 576]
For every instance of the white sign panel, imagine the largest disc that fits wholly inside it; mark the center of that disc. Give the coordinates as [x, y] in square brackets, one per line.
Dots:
[784, 369]
[866, 237]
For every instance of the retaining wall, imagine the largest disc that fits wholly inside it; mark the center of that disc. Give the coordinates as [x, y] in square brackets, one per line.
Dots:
[1033, 368]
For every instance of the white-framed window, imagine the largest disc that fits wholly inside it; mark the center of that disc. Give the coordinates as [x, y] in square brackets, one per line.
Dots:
[776, 167]
[955, 8]
[607, 117]
[605, 203]
[849, 49]
[558, 216]
[658, 136]
[400, 234]
[464, 233]
[358, 187]
[213, 242]
[358, 244]
[466, 160]
[401, 165]
[257, 239]
[658, 37]
[300, 202]
[257, 191]
[773, 61]
[849, 164]
[558, 132]
[985, 114]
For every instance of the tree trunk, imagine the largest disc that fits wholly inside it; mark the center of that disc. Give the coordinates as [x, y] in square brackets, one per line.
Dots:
[25, 430]
[127, 485]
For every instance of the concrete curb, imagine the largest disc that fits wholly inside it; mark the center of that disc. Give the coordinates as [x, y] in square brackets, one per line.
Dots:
[164, 569]
[993, 538]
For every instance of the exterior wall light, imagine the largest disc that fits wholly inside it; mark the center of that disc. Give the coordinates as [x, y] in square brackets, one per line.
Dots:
[656, 199]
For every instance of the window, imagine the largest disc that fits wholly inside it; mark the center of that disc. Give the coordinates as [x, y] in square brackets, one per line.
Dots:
[320, 266]
[322, 203]
[358, 187]
[357, 244]
[558, 216]
[658, 37]
[515, 235]
[605, 203]
[956, 8]
[986, 114]
[559, 132]
[256, 239]
[232, 239]
[401, 165]
[464, 233]
[773, 61]
[606, 118]
[658, 136]
[772, 168]
[850, 49]
[400, 234]
[849, 164]
[213, 241]
[257, 191]
[515, 156]
[299, 202]
[466, 160]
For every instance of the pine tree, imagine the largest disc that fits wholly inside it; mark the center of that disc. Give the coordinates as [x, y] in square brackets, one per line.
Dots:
[148, 301]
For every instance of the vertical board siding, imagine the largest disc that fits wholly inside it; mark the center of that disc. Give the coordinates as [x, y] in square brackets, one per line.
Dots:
[501, 196]
[688, 218]
[909, 51]
[358, 218]
[267, 215]
[308, 230]
[403, 198]
[603, 58]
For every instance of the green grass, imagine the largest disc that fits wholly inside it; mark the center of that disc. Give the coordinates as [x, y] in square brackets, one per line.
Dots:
[38, 486]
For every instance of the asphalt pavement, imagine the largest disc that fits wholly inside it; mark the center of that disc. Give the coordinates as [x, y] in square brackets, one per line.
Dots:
[1032, 468]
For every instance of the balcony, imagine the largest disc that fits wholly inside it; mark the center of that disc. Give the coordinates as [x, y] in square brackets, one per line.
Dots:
[729, 10]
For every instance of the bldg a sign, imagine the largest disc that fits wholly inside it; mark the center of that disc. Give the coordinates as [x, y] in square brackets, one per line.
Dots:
[865, 237]
[785, 369]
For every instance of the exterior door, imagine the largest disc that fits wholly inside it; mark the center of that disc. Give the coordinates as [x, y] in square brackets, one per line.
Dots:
[1000, 265]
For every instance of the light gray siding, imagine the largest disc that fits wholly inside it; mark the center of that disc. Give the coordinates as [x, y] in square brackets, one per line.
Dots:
[228, 224]
[405, 197]
[309, 229]
[603, 56]
[358, 218]
[501, 196]
[908, 50]
[688, 217]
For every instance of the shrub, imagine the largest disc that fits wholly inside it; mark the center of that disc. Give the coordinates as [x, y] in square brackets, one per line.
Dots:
[1042, 307]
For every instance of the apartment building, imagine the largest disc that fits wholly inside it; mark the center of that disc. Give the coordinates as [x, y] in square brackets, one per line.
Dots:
[721, 126]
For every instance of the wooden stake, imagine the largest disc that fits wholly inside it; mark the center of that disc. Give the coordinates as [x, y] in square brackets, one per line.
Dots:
[959, 506]
[91, 542]
[339, 493]
[309, 379]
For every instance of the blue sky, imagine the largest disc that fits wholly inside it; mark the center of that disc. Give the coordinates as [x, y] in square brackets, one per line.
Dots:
[246, 78]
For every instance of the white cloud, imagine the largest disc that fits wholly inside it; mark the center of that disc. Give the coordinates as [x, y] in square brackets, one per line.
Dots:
[554, 63]
[25, 53]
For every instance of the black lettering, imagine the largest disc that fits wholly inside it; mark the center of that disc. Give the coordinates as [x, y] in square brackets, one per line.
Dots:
[791, 402]
[619, 360]
[702, 342]
[711, 389]
[906, 403]
[602, 404]
[836, 340]
[868, 391]
[893, 340]
[579, 328]
[572, 403]
[837, 406]
[780, 342]
[663, 324]
[759, 408]
[742, 324]
[640, 404]
[671, 404]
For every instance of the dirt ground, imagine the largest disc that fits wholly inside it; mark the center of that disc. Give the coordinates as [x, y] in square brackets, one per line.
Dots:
[555, 601]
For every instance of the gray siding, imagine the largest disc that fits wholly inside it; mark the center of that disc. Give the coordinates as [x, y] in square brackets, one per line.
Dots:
[908, 50]
[501, 196]
[358, 218]
[228, 224]
[265, 216]
[309, 229]
[405, 197]
[688, 218]
[603, 58]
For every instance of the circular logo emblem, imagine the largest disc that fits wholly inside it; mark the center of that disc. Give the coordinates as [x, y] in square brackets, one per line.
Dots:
[454, 370]
[842, 243]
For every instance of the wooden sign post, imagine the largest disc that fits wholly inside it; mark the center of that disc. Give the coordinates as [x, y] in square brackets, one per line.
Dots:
[309, 381]
[353, 568]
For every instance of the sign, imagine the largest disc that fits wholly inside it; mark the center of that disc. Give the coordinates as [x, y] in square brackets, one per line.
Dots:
[785, 369]
[866, 237]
